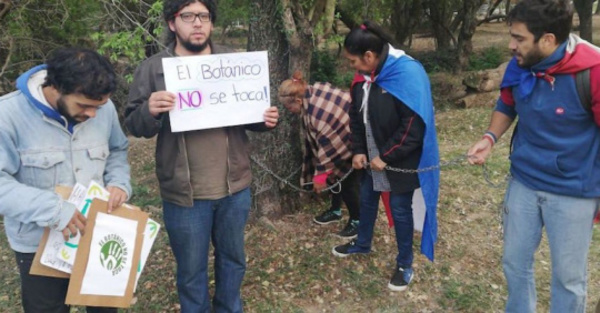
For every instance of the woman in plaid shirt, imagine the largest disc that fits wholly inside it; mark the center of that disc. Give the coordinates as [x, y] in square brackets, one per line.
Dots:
[327, 153]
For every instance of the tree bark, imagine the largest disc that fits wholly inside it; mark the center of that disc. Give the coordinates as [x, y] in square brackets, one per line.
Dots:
[405, 18]
[584, 10]
[440, 16]
[5, 6]
[467, 29]
[278, 149]
[346, 17]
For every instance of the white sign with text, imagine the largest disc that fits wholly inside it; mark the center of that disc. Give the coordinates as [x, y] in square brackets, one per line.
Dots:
[217, 90]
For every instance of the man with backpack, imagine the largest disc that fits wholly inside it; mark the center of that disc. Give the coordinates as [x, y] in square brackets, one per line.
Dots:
[555, 161]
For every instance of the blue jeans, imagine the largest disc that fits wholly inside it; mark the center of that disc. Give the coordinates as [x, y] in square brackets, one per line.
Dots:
[191, 229]
[402, 214]
[568, 223]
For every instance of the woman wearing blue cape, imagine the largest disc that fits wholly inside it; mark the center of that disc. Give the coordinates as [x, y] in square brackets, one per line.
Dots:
[392, 125]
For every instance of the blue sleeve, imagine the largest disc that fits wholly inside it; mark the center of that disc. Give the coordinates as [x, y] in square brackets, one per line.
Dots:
[508, 110]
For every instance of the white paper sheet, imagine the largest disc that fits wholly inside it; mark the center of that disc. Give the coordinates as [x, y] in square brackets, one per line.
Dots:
[56, 240]
[150, 234]
[69, 249]
[111, 254]
[217, 90]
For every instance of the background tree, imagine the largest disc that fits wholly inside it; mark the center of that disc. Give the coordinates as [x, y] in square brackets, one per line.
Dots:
[29, 30]
[441, 14]
[405, 18]
[290, 31]
[467, 30]
[584, 11]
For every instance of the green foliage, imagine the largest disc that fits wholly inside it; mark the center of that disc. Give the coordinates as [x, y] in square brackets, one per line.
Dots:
[34, 28]
[377, 10]
[327, 66]
[438, 61]
[144, 196]
[232, 12]
[490, 57]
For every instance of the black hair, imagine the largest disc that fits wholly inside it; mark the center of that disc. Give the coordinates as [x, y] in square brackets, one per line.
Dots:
[78, 70]
[544, 16]
[367, 37]
[171, 7]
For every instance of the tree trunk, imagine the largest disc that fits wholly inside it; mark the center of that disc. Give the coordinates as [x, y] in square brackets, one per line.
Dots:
[584, 10]
[278, 149]
[440, 16]
[405, 18]
[467, 29]
[4, 8]
[346, 17]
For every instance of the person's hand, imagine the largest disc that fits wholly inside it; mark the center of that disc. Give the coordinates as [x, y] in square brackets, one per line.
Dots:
[77, 223]
[377, 164]
[160, 102]
[479, 152]
[117, 197]
[359, 161]
[319, 187]
[271, 117]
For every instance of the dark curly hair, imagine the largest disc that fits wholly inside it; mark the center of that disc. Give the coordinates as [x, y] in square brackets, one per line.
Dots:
[78, 70]
[544, 16]
[367, 37]
[171, 7]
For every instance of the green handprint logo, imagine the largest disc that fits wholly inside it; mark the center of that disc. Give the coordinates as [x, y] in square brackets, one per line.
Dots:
[113, 253]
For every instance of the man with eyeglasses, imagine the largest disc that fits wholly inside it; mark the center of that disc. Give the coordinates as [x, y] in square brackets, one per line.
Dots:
[204, 175]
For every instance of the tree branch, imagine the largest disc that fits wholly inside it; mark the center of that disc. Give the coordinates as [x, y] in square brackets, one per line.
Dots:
[7, 61]
[5, 6]
[491, 18]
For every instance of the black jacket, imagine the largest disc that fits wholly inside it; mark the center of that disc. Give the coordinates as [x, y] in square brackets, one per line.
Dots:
[398, 132]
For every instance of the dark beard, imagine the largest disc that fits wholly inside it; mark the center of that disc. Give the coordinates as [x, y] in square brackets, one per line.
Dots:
[191, 47]
[61, 106]
[533, 58]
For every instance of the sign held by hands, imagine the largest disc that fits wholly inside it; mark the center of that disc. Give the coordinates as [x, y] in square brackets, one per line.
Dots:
[217, 90]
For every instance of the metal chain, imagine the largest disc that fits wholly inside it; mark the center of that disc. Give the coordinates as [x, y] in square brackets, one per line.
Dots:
[296, 188]
[456, 161]
[338, 184]
[487, 177]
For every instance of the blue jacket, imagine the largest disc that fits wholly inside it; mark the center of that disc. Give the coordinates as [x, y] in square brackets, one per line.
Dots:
[39, 152]
[557, 145]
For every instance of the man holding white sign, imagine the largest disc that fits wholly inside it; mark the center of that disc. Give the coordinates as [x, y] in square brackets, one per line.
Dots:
[204, 174]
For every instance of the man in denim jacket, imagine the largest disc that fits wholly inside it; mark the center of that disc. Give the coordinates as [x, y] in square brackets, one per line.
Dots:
[58, 128]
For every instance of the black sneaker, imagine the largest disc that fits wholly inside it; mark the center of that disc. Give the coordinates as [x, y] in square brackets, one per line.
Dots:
[350, 231]
[328, 216]
[402, 277]
[347, 249]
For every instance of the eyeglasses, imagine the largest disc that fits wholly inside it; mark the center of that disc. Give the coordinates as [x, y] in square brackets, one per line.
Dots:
[190, 17]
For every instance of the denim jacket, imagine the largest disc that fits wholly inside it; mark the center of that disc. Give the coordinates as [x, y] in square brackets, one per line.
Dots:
[38, 152]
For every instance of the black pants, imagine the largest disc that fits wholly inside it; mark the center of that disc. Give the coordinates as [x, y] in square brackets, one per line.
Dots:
[45, 294]
[349, 194]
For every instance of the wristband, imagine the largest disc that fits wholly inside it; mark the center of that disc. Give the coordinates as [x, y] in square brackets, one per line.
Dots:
[492, 135]
[489, 138]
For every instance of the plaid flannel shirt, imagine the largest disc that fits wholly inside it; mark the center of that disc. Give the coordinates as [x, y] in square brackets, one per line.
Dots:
[327, 137]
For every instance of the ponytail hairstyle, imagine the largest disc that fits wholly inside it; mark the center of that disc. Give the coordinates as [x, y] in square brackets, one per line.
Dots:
[369, 36]
[291, 89]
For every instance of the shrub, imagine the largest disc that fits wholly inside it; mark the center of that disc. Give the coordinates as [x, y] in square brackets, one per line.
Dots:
[327, 66]
[490, 57]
